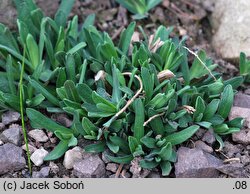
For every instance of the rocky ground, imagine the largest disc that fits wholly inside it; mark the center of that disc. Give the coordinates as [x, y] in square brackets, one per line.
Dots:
[209, 25]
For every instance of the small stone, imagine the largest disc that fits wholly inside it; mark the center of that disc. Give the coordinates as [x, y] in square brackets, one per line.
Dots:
[11, 135]
[32, 149]
[10, 117]
[247, 91]
[11, 158]
[243, 136]
[104, 156]
[112, 167]
[242, 100]
[38, 156]
[62, 119]
[1, 143]
[72, 156]
[209, 138]
[91, 167]
[54, 168]
[2, 126]
[195, 163]
[240, 112]
[228, 40]
[245, 159]
[235, 170]
[200, 133]
[136, 170]
[201, 145]
[43, 173]
[38, 135]
[230, 149]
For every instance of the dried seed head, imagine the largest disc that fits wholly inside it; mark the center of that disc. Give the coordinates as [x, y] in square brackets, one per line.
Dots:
[100, 75]
[165, 75]
[154, 46]
[189, 109]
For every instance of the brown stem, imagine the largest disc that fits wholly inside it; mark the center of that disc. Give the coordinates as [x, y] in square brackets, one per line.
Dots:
[152, 118]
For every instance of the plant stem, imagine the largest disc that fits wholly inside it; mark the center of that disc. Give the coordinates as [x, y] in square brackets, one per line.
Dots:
[22, 114]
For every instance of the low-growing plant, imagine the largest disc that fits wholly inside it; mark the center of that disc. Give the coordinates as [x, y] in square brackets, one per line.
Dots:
[139, 100]
[139, 7]
[245, 67]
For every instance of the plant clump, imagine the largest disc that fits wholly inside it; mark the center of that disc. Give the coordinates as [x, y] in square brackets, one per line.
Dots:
[139, 100]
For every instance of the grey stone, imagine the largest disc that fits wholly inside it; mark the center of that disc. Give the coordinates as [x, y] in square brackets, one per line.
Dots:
[2, 126]
[112, 167]
[235, 170]
[72, 156]
[38, 135]
[54, 168]
[32, 149]
[11, 158]
[38, 156]
[43, 173]
[195, 163]
[201, 145]
[11, 135]
[1, 143]
[209, 137]
[230, 149]
[245, 159]
[240, 112]
[231, 24]
[10, 117]
[200, 133]
[243, 136]
[242, 100]
[136, 170]
[91, 167]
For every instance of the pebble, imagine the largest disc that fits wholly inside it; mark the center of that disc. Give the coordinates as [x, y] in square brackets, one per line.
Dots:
[10, 117]
[112, 167]
[11, 135]
[72, 156]
[195, 163]
[243, 136]
[91, 167]
[203, 146]
[43, 173]
[38, 156]
[209, 138]
[32, 149]
[11, 158]
[38, 135]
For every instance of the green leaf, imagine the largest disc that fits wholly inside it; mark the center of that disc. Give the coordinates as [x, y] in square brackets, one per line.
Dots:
[133, 143]
[148, 142]
[96, 148]
[63, 12]
[200, 108]
[122, 143]
[226, 102]
[38, 119]
[139, 119]
[116, 92]
[85, 92]
[71, 91]
[39, 88]
[10, 75]
[148, 83]
[156, 124]
[126, 36]
[88, 126]
[166, 168]
[219, 139]
[58, 151]
[166, 152]
[76, 48]
[152, 3]
[121, 159]
[98, 99]
[89, 21]
[211, 109]
[33, 51]
[181, 136]
[237, 122]
[148, 164]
